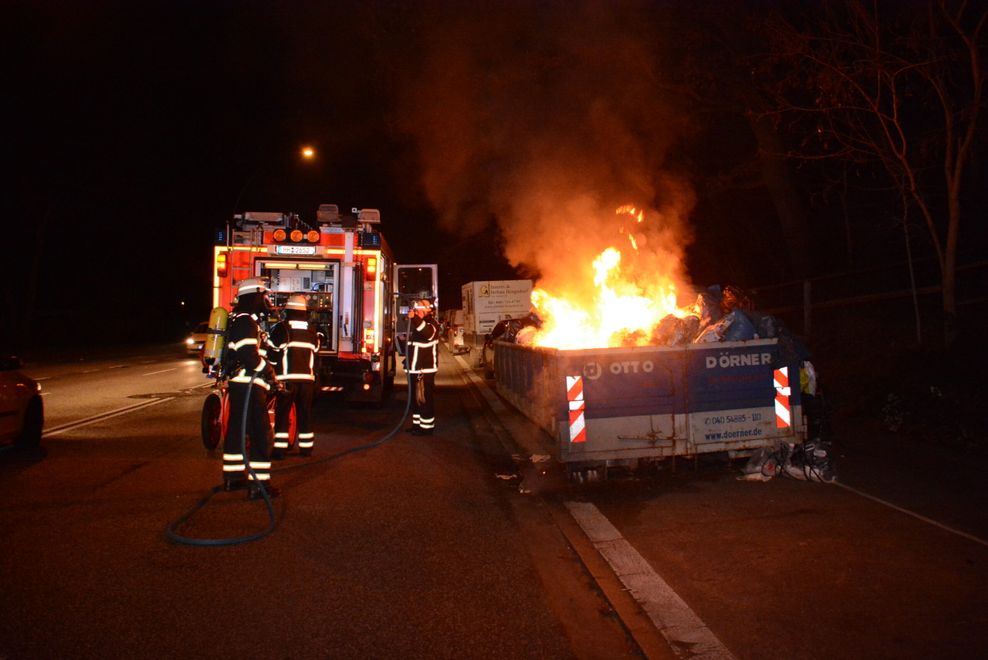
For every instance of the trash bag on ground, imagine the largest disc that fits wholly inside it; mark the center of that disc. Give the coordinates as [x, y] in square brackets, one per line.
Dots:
[809, 461]
[812, 461]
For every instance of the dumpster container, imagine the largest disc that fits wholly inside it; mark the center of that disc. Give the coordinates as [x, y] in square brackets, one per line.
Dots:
[619, 406]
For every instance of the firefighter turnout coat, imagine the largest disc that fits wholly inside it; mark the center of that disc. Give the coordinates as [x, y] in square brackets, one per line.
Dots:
[423, 346]
[248, 388]
[293, 344]
[423, 362]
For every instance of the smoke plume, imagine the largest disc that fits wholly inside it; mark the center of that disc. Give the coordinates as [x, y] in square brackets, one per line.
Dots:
[545, 119]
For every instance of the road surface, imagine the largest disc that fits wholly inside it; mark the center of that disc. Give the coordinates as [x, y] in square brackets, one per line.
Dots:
[459, 545]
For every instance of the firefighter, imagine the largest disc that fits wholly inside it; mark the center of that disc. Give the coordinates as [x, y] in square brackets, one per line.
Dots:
[423, 362]
[250, 381]
[294, 344]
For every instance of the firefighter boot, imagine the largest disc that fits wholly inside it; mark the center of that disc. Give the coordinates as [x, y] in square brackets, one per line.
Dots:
[234, 484]
[254, 492]
[306, 452]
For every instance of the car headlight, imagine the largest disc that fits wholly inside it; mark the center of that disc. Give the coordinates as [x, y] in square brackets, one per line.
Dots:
[189, 341]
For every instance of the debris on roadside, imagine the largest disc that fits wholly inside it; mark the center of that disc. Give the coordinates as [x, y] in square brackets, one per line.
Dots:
[810, 461]
[538, 473]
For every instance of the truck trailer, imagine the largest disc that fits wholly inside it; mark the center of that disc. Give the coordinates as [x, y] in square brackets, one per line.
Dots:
[487, 302]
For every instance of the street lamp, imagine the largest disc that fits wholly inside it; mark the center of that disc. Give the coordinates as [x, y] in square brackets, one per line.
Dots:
[306, 153]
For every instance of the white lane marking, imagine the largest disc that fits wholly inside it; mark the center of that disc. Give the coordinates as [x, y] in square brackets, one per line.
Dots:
[43, 378]
[688, 636]
[969, 537]
[62, 428]
[117, 366]
[89, 371]
[159, 372]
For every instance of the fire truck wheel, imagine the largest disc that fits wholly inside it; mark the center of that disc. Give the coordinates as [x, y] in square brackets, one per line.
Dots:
[210, 425]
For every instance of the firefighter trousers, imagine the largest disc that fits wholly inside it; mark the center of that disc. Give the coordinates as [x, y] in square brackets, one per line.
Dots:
[298, 392]
[258, 428]
[423, 401]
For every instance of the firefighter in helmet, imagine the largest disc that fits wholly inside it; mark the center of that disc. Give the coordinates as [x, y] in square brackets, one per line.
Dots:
[251, 378]
[423, 363]
[293, 345]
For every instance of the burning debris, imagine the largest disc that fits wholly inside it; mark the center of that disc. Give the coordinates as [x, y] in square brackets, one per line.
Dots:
[717, 315]
[636, 293]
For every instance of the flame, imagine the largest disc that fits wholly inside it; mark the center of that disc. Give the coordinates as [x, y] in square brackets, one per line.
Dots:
[627, 209]
[621, 308]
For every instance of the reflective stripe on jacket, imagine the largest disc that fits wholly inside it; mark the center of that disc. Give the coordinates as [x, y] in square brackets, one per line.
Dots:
[245, 335]
[295, 345]
[423, 347]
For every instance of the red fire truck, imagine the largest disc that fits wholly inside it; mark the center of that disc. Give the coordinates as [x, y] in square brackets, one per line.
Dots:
[345, 270]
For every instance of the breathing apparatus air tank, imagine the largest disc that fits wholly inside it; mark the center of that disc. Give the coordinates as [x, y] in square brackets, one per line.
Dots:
[212, 348]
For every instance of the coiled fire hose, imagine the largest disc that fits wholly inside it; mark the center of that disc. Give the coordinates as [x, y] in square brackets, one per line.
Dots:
[171, 532]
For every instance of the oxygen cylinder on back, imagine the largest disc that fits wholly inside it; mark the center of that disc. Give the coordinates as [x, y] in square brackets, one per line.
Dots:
[212, 349]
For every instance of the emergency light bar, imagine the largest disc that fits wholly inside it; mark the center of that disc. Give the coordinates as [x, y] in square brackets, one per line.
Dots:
[262, 216]
[297, 235]
[371, 216]
[328, 213]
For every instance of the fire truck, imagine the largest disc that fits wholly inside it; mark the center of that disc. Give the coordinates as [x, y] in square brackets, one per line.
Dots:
[345, 270]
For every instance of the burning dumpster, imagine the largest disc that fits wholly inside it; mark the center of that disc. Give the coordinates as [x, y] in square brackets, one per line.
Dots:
[619, 406]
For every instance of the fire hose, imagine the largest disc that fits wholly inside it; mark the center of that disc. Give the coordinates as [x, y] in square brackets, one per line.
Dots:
[171, 532]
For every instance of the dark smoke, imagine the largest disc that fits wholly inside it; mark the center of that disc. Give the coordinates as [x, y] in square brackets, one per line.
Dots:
[545, 118]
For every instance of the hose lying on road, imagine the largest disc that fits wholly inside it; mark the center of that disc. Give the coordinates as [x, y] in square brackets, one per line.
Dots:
[171, 532]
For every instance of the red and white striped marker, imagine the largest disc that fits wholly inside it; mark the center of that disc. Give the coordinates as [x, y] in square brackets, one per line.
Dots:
[577, 423]
[783, 418]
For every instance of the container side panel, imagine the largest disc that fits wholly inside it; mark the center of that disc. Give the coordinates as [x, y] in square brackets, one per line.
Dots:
[627, 382]
[735, 376]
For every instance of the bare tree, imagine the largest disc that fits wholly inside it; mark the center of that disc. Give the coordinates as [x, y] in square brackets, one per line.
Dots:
[896, 84]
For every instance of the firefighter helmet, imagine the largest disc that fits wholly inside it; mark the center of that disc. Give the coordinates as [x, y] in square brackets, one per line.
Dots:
[253, 285]
[296, 302]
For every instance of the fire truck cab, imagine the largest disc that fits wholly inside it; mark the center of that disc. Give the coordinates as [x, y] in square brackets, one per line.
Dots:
[343, 267]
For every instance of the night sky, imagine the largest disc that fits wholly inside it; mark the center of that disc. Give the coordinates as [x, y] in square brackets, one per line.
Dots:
[484, 136]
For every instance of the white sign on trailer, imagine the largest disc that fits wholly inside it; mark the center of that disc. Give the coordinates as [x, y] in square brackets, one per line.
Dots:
[487, 302]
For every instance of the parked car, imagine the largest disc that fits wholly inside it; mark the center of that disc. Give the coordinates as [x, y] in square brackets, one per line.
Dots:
[22, 413]
[196, 339]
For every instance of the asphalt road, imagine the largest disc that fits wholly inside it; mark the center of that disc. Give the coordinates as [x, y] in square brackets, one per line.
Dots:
[425, 547]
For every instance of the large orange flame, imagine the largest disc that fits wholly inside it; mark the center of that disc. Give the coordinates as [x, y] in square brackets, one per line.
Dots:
[621, 307]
